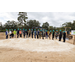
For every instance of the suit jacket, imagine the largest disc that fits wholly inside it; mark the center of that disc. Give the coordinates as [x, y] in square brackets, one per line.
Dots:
[64, 35]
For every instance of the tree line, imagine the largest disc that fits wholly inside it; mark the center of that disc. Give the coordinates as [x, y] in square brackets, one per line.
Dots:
[31, 24]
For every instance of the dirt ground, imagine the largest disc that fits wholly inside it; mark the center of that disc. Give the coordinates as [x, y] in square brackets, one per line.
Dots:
[15, 55]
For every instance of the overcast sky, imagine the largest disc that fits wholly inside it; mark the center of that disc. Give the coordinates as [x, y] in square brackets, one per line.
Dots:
[53, 18]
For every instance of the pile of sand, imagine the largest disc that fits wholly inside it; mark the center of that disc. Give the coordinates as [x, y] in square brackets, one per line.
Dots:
[36, 44]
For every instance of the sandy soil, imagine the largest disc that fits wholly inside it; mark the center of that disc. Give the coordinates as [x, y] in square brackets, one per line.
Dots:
[15, 55]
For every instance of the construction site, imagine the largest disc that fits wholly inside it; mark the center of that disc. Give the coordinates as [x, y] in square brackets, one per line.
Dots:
[36, 50]
[24, 39]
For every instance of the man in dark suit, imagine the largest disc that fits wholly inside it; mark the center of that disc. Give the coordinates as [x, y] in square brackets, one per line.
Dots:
[18, 33]
[32, 33]
[64, 36]
[60, 35]
[53, 35]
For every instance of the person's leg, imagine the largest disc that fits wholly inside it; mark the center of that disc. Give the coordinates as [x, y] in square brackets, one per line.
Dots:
[37, 36]
[59, 38]
[29, 35]
[52, 37]
[21, 35]
[24, 35]
[42, 36]
[14, 36]
[49, 36]
[56, 37]
[10, 35]
[32, 35]
[46, 36]
[64, 39]
[6, 36]
[17, 35]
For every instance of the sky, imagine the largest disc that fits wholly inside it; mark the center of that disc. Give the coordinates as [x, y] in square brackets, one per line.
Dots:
[53, 18]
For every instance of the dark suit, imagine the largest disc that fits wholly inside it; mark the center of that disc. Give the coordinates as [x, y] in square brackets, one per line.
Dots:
[53, 35]
[17, 33]
[64, 36]
[60, 36]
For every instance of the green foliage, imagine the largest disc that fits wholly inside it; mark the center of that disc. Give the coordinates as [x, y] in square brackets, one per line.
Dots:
[45, 25]
[22, 18]
[33, 23]
[69, 24]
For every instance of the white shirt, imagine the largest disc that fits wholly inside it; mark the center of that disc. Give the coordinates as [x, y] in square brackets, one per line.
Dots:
[9, 32]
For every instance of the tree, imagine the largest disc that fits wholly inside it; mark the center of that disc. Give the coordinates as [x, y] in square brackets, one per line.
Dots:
[45, 25]
[69, 24]
[33, 24]
[10, 25]
[22, 18]
[50, 28]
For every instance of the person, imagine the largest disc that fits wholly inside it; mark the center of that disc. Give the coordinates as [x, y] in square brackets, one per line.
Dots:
[43, 34]
[64, 36]
[14, 33]
[10, 32]
[29, 32]
[18, 33]
[6, 33]
[53, 35]
[34, 33]
[50, 34]
[24, 33]
[38, 34]
[56, 34]
[46, 34]
[60, 35]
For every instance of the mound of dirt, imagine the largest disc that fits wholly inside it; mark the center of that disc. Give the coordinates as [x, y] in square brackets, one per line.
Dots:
[36, 44]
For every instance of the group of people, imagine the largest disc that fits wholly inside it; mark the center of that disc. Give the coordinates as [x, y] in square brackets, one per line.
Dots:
[36, 34]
